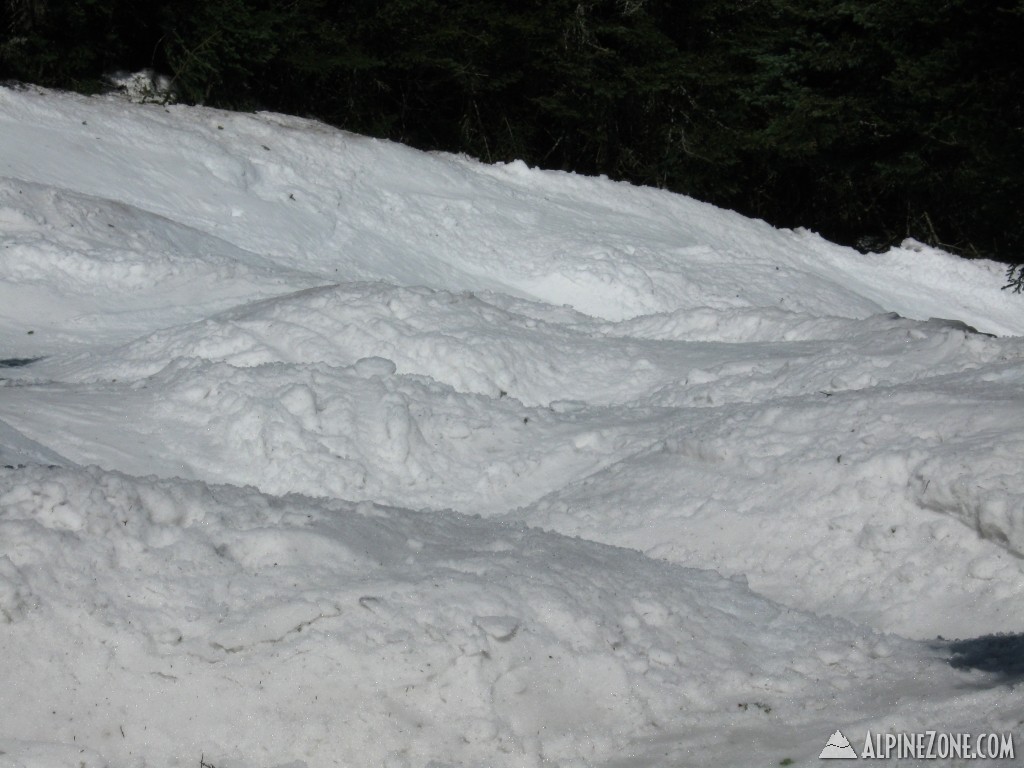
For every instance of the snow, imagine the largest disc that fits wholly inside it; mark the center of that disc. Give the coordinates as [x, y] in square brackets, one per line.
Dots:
[316, 450]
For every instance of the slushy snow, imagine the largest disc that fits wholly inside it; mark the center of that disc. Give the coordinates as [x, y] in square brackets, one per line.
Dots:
[316, 450]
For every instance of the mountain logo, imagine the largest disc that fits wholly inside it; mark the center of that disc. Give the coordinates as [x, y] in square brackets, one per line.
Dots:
[838, 748]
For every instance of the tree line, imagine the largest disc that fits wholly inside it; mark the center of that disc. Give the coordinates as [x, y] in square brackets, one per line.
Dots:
[868, 121]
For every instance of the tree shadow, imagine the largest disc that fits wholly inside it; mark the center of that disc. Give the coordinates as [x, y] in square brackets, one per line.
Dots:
[1000, 655]
[17, 362]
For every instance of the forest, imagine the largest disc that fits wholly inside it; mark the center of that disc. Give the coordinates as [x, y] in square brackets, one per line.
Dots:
[868, 121]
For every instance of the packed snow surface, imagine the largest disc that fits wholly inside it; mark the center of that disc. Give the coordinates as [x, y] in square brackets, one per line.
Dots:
[316, 450]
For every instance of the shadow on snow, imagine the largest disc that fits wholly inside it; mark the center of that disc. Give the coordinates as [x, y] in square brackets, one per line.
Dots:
[1001, 655]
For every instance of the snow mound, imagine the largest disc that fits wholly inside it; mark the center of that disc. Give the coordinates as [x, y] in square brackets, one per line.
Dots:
[356, 432]
[69, 258]
[378, 632]
[481, 344]
[844, 490]
[348, 208]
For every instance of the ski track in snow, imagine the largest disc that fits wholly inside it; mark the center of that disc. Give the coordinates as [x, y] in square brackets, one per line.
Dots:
[338, 453]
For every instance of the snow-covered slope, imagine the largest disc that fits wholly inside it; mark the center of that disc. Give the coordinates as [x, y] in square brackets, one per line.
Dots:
[295, 396]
